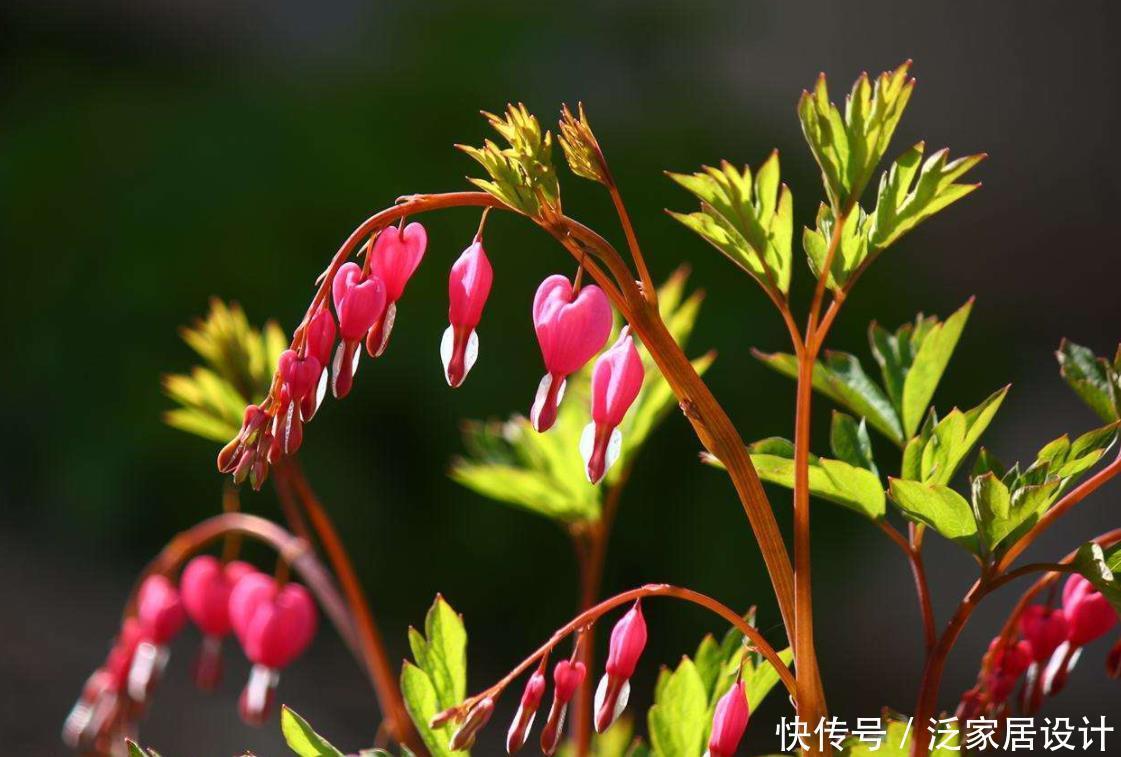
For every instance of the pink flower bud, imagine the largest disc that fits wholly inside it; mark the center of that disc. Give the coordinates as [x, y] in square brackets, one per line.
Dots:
[628, 639]
[119, 661]
[473, 722]
[274, 624]
[299, 374]
[1005, 663]
[1044, 629]
[394, 259]
[527, 710]
[571, 329]
[160, 609]
[205, 587]
[1088, 613]
[616, 381]
[567, 678]
[319, 337]
[729, 722]
[468, 289]
[359, 303]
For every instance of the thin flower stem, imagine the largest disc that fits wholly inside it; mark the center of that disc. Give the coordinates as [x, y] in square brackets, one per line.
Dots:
[369, 637]
[590, 616]
[649, 290]
[922, 588]
[1072, 498]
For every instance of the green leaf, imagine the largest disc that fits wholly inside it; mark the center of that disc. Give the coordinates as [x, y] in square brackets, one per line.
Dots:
[933, 349]
[992, 505]
[302, 739]
[679, 717]
[1093, 378]
[942, 449]
[850, 443]
[438, 680]
[852, 249]
[856, 488]
[939, 507]
[912, 191]
[899, 738]
[522, 174]
[841, 378]
[751, 222]
[1102, 569]
[848, 148]
[762, 679]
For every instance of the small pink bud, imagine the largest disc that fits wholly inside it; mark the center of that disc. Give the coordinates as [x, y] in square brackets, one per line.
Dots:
[616, 381]
[205, 587]
[274, 625]
[159, 609]
[320, 336]
[468, 288]
[571, 329]
[119, 661]
[628, 639]
[359, 303]
[1088, 613]
[299, 374]
[729, 722]
[473, 722]
[394, 259]
[567, 678]
[1005, 663]
[1044, 629]
[527, 710]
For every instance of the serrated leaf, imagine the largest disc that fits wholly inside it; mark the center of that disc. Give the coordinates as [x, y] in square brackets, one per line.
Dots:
[935, 346]
[939, 507]
[438, 680]
[850, 443]
[852, 247]
[679, 717]
[522, 174]
[421, 702]
[302, 738]
[841, 378]
[951, 439]
[763, 678]
[1094, 379]
[751, 222]
[1101, 568]
[992, 505]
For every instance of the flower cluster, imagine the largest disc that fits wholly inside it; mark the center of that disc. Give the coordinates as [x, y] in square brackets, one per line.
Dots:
[273, 623]
[572, 324]
[1049, 643]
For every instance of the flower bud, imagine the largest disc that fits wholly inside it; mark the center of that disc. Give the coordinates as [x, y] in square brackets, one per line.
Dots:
[274, 624]
[319, 337]
[729, 722]
[527, 710]
[160, 609]
[567, 678]
[394, 258]
[359, 302]
[628, 639]
[1005, 663]
[616, 381]
[571, 328]
[468, 288]
[205, 587]
[473, 722]
[1088, 613]
[1044, 629]
[299, 374]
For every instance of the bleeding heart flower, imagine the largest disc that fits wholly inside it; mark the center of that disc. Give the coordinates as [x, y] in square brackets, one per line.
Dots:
[1088, 613]
[299, 374]
[205, 587]
[359, 303]
[729, 722]
[159, 609]
[1044, 629]
[527, 710]
[319, 340]
[1005, 664]
[628, 639]
[616, 380]
[119, 661]
[567, 678]
[394, 259]
[468, 288]
[571, 328]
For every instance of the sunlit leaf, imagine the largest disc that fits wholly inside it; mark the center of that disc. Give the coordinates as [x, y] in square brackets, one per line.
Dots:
[679, 717]
[302, 738]
[1102, 568]
[438, 679]
[850, 443]
[939, 507]
[1093, 378]
[521, 174]
[936, 453]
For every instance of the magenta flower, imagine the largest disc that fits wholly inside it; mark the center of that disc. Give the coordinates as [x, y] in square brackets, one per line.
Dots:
[394, 259]
[274, 625]
[160, 612]
[1007, 662]
[1044, 629]
[616, 381]
[567, 678]
[468, 289]
[628, 639]
[205, 586]
[571, 328]
[359, 303]
[319, 340]
[729, 722]
[527, 711]
[1088, 613]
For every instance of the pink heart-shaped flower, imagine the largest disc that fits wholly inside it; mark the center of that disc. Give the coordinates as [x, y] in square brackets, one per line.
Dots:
[396, 255]
[300, 374]
[273, 625]
[205, 587]
[159, 609]
[570, 329]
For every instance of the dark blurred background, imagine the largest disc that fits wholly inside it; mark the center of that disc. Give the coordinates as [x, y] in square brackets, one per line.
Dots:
[155, 154]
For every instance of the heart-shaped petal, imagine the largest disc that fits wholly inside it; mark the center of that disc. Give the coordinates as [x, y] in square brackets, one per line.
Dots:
[570, 329]
[300, 374]
[205, 587]
[396, 255]
[160, 609]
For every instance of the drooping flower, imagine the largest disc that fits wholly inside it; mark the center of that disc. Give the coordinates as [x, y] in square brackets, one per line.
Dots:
[1044, 629]
[616, 381]
[394, 258]
[1006, 663]
[468, 288]
[274, 625]
[159, 609]
[628, 639]
[359, 303]
[527, 711]
[729, 722]
[299, 378]
[571, 328]
[477, 717]
[567, 678]
[205, 587]
[1088, 613]
[319, 340]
